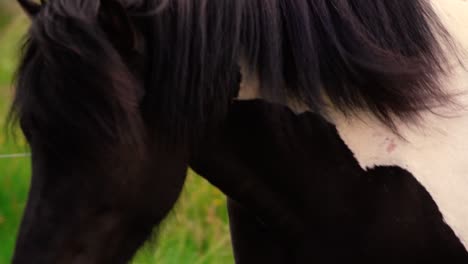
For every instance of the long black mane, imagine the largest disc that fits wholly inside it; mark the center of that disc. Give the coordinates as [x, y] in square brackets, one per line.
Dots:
[381, 56]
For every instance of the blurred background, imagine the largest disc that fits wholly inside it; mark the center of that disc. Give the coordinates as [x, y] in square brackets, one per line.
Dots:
[196, 232]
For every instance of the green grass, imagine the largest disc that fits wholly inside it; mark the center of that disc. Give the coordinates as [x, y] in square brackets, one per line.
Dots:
[196, 232]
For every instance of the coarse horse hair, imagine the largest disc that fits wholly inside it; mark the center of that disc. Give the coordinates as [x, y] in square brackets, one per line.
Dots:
[76, 72]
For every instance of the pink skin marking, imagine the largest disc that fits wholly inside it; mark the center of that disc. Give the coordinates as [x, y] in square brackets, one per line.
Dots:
[391, 146]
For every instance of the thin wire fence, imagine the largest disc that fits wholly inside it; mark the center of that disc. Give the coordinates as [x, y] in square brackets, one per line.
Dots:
[15, 155]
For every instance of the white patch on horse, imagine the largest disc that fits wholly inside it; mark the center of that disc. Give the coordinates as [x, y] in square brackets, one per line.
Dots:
[436, 153]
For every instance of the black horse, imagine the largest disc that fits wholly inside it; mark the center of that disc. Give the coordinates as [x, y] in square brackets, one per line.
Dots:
[118, 97]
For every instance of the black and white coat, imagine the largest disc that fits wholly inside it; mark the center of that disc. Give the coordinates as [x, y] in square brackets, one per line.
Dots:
[347, 189]
[436, 153]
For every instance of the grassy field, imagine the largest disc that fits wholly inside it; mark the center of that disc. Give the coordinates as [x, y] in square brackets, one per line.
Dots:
[195, 232]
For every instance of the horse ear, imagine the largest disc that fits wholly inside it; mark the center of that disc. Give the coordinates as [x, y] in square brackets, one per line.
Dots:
[31, 8]
[116, 23]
